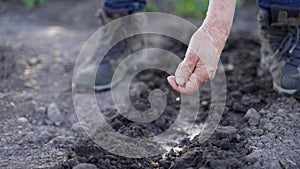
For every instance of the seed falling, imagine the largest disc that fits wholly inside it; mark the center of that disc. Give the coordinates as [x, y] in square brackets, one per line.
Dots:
[204, 103]
[230, 67]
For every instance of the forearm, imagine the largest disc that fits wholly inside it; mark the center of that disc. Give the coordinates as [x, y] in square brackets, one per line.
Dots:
[219, 20]
[215, 31]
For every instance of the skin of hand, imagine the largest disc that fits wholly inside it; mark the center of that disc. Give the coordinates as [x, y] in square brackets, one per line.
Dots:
[205, 47]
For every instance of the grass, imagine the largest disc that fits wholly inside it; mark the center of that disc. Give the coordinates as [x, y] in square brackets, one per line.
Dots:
[29, 3]
[188, 8]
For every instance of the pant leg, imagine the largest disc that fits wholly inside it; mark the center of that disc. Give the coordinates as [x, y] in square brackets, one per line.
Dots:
[268, 3]
[123, 7]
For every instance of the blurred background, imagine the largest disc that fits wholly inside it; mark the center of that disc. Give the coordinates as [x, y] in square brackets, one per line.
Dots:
[187, 8]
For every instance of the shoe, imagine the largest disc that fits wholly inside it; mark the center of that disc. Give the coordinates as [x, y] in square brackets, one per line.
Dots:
[280, 47]
[105, 71]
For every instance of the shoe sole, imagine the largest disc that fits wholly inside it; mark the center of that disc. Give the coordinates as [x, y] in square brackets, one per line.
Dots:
[287, 92]
[97, 88]
[263, 67]
[100, 88]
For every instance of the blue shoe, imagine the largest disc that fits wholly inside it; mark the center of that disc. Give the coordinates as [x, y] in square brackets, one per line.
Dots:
[280, 47]
[105, 70]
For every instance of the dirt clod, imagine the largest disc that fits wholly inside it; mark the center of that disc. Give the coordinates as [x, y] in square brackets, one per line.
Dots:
[252, 116]
[228, 132]
[22, 121]
[253, 157]
[54, 114]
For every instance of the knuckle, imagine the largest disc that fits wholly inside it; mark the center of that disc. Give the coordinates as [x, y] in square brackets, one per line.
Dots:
[192, 57]
[181, 66]
[185, 68]
[202, 76]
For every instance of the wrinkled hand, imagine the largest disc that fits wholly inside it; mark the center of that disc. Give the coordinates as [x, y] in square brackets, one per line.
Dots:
[195, 70]
[206, 45]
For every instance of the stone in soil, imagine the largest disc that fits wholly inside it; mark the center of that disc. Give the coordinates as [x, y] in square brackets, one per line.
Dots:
[228, 132]
[22, 121]
[85, 166]
[54, 114]
[253, 157]
[252, 116]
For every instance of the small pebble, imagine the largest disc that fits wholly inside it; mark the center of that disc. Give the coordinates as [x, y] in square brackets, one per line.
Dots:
[252, 116]
[257, 164]
[40, 110]
[268, 126]
[275, 165]
[253, 157]
[258, 132]
[22, 121]
[54, 114]
[238, 137]
[281, 111]
[85, 166]
[79, 126]
[228, 132]
[260, 145]
[33, 61]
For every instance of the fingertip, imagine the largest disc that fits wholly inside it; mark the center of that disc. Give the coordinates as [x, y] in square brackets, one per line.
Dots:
[180, 81]
[173, 84]
[170, 77]
[171, 80]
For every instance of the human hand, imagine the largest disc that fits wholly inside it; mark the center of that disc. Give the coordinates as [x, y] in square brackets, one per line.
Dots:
[206, 45]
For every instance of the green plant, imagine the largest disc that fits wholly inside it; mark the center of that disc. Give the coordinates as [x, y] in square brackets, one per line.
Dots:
[151, 7]
[191, 8]
[31, 3]
[188, 8]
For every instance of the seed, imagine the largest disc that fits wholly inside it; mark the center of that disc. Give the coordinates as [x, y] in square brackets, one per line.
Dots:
[230, 67]
[178, 99]
[204, 103]
[166, 154]
[154, 164]
[177, 150]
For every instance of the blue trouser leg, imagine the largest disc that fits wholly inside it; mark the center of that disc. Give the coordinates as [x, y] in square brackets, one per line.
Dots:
[268, 3]
[123, 7]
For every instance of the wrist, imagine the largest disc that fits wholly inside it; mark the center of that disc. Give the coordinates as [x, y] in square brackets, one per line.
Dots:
[216, 36]
[218, 22]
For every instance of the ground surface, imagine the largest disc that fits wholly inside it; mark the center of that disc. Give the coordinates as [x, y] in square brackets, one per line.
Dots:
[39, 129]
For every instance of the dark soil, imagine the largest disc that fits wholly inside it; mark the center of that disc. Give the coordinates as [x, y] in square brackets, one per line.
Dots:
[259, 128]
